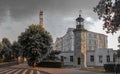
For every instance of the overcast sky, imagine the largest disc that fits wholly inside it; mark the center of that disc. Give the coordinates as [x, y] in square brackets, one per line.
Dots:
[16, 15]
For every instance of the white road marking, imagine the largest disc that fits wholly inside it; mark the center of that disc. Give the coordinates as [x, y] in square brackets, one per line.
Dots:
[25, 71]
[18, 71]
[5, 70]
[31, 72]
[11, 71]
[38, 72]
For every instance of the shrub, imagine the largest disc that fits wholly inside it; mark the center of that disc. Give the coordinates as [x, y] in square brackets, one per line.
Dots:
[1, 60]
[111, 67]
[50, 64]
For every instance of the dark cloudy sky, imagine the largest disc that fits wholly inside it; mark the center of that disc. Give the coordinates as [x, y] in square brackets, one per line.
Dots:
[16, 15]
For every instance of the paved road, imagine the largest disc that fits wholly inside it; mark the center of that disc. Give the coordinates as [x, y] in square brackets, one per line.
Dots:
[25, 69]
[10, 70]
[67, 71]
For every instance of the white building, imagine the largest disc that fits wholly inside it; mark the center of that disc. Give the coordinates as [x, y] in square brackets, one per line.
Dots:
[58, 45]
[65, 43]
[84, 43]
[67, 58]
[94, 58]
[93, 40]
[99, 57]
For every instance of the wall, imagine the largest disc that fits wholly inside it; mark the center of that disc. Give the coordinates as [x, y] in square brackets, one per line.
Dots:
[66, 56]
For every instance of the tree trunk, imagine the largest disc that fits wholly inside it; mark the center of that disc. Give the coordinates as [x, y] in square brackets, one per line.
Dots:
[34, 64]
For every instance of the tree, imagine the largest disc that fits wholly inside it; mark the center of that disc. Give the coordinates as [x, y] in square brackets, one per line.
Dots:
[6, 49]
[36, 41]
[17, 49]
[53, 55]
[109, 11]
[1, 49]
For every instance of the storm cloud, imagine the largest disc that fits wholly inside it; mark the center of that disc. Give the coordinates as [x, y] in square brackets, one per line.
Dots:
[23, 9]
[17, 15]
[56, 13]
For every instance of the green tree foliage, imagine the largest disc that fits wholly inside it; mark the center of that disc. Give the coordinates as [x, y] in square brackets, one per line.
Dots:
[17, 49]
[6, 49]
[36, 41]
[1, 48]
[53, 55]
[109, 11]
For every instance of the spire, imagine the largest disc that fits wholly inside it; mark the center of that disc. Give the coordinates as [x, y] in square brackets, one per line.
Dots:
[41, 18]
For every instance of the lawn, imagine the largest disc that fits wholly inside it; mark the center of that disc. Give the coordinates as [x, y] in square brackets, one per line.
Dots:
[94, 69]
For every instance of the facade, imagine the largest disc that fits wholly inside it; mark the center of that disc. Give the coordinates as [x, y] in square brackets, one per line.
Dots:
[94, 58]
[67, 57]
[65, 43]
[68, 40]
[58, 45]
[99, 57]
[95, 40]
[81, 41]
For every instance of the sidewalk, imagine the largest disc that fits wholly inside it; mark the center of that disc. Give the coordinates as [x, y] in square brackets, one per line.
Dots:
[56, 70]
[6, 64]
[22, 65]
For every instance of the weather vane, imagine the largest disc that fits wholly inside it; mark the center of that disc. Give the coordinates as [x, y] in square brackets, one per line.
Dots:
[80, 12]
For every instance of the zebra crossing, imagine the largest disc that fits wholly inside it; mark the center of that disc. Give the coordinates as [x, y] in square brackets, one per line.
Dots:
[19, 71]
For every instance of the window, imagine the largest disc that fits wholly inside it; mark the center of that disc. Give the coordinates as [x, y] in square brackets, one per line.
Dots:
[90, 35]
[90, 47]
[79, 61]
[92, 58]
[94, 35]
[100, 59]
[62, 58]
[95, 42]
[114, 57]
[90, 42]
[71, 58]
[108, 58]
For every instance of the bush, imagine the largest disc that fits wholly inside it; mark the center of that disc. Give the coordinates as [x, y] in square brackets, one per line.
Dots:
[111, 67]
[30, 62]
[1, 60]
[50, 64]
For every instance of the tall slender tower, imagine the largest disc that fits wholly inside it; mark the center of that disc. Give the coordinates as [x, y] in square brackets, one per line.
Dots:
[80, 43]
[41, 18]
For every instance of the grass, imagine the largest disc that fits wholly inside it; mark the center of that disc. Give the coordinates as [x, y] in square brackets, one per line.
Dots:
[94, 69]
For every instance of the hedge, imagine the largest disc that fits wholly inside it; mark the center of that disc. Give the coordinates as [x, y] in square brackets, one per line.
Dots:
[50, 64]
[112, 67]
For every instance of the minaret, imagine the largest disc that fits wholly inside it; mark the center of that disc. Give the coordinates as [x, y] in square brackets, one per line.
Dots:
[80, 43]
[41, 18]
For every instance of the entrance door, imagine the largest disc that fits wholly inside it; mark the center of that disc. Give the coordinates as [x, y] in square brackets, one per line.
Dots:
[79, 61]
